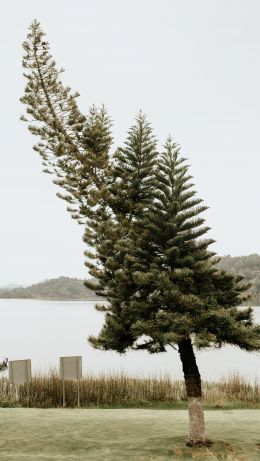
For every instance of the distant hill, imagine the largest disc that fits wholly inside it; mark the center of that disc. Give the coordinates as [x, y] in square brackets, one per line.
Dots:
[62, 288]
[65, 288]
[249, 268]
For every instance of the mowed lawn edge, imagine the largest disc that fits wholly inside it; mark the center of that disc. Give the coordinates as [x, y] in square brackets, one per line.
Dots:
[124, 434]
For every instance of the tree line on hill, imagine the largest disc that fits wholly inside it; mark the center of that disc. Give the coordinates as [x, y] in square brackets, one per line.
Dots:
[66, 288]
[61, 288]
[249, 268]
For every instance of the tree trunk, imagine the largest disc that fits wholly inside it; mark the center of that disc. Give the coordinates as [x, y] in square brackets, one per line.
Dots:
[194, 393]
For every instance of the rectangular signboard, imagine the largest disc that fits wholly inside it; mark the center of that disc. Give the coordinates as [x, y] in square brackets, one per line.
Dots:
[70, 367]
[20, 371]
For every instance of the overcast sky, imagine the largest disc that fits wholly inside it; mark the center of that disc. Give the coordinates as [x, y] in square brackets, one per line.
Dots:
[192, 66]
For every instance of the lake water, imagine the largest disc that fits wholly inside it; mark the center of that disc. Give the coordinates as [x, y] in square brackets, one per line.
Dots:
[46, 330]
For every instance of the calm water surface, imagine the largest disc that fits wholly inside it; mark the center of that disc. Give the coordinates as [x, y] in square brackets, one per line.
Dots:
[46, 330]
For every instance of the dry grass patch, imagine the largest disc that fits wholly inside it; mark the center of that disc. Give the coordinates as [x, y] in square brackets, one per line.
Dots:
[124, 391]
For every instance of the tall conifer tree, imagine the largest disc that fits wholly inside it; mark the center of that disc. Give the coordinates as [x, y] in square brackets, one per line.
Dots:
[142, 221]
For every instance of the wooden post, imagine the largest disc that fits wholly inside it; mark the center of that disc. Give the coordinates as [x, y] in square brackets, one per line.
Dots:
[63, 393]
[16, 392]
[28, 395]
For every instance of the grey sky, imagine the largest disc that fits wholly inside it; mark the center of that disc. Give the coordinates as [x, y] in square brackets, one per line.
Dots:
[192, 66]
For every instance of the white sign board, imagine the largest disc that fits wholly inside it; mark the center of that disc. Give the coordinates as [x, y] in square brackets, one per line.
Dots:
[20, 371]
[70, 368]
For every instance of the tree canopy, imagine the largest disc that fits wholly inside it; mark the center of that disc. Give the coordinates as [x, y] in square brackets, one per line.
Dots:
[143, 223]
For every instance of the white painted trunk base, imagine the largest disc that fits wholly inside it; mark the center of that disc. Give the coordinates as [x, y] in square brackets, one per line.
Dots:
[196, 421]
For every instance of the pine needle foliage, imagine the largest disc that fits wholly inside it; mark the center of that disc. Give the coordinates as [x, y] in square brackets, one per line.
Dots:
[133, 169]
[168, 287]
[74, 148]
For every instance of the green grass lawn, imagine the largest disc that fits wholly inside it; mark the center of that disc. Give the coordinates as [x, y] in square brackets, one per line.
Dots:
[120, 435]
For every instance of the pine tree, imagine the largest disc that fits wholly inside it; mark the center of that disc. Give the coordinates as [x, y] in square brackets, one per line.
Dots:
[143, 229]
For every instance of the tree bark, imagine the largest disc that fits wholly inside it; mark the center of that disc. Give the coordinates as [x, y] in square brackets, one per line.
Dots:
[194, 394]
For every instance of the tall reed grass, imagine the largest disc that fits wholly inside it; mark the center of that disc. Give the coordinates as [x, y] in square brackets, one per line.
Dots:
[124, 391]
